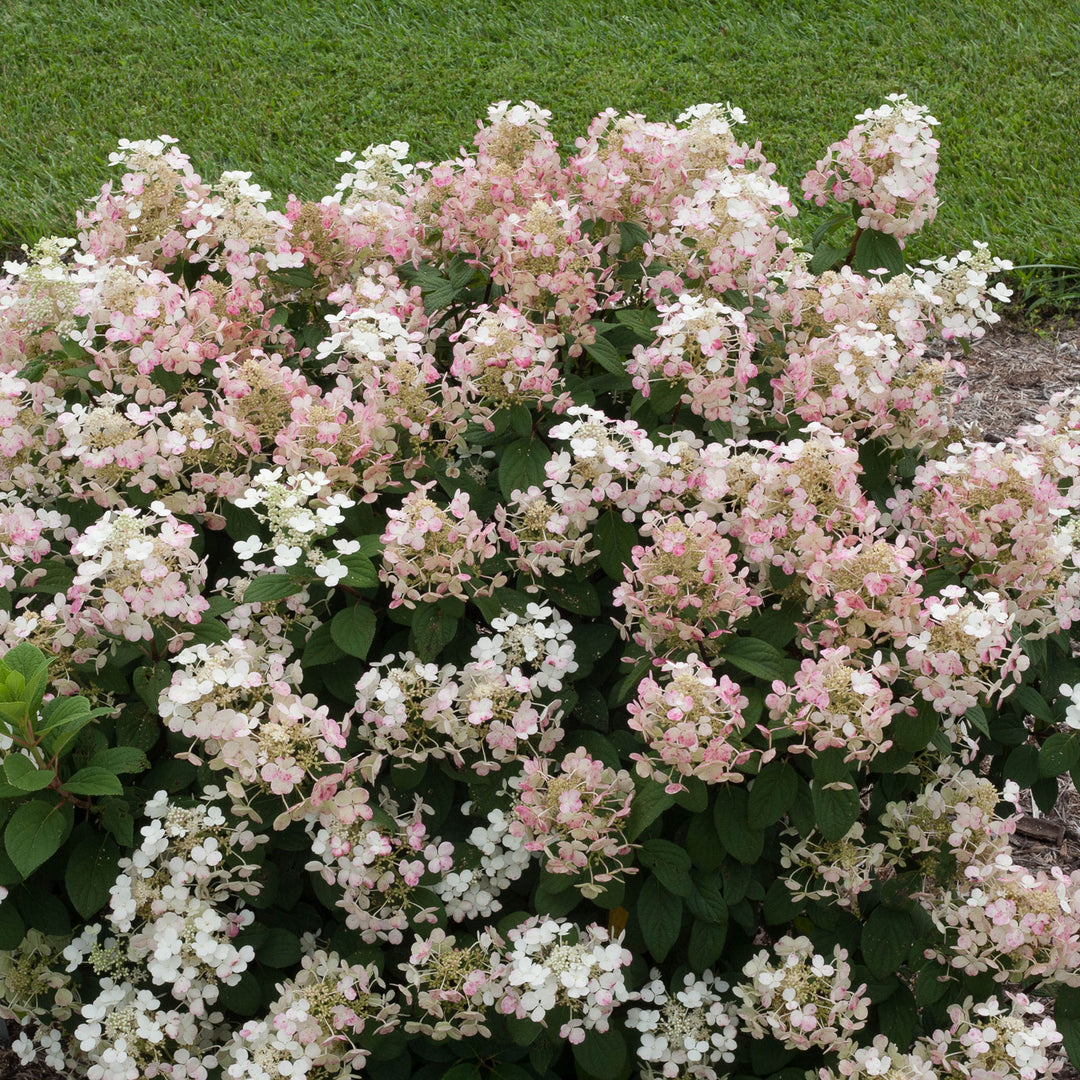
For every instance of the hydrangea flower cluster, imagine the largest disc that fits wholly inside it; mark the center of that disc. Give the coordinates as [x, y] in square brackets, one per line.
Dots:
[707, 346]
[574, 812]
[858, 381]
[295, 524]
[313, 1027]
[997, 1042]
[550, 963]
[1021, 926]
[686, 1033]
[429, 552]
[880, 1059]
[378, 868]
[240, 705]
[454, 985]
[693, 724]
[170, 934]
[840, 870]
[424, 516]
[801, 999]
[887, 164]
[502, 361]
[837, 704]
[685, 588]
[493, 859]
[491, 711]
[136, 570]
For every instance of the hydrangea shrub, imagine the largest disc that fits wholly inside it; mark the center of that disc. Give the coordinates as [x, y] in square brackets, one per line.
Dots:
[528, 616]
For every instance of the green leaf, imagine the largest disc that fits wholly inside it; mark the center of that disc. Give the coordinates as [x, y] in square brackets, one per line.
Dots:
[660, 918]
[433, 628]
[591, 708]
[12, 928]
[461, 273]
[631, 235]
[120, 759]
[976, 717]
[730, 814]
[703, 843]
[136, 727]
[36, 832]
[706, 944]
[504, 1070]
[61, 724]
[913, 733]
[835, 797]
[650, 801]
[521, 421]
[353, 630]
[1067, 1019]
[57, 578]
[876, 250]
[280, 949]
[931, 984]
[768, 1057]
[24, 673]
[615, 540]
[772, 794]
[295, 277]
[774, 626]
[463, 1070]
[1031, 701]
[556, 902]
[149, 681]
[504, 599]
[245, 998]
[706, 900]
[886, 939]
[523, 1032]
[362, 573]
[31, 663]
[269, 587]
[607, 356]
[9, 874]
[755, 657]
[643, 321]
[825, 258]
[602, 1055]
[116, 817]
[829, 225]
[899, 1016]
[577, 597]
[694, 795]
[670, 863]
[522, 466]
[91, 871]
[1022, 765]
[21, 772]
[627, 686]
[1059, 754]
[94, 781]
[321, 648]
[208, 632]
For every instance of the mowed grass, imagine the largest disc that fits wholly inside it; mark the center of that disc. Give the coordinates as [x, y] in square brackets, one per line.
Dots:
[280, 87]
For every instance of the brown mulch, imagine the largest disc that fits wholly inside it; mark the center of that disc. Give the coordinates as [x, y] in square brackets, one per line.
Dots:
[10, 1066]
[1012, 374]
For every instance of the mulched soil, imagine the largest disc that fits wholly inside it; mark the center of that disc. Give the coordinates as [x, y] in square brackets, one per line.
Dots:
[12, 1069]
[1012, 374]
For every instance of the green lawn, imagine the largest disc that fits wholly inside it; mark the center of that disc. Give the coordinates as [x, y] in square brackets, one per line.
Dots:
[280, 88]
